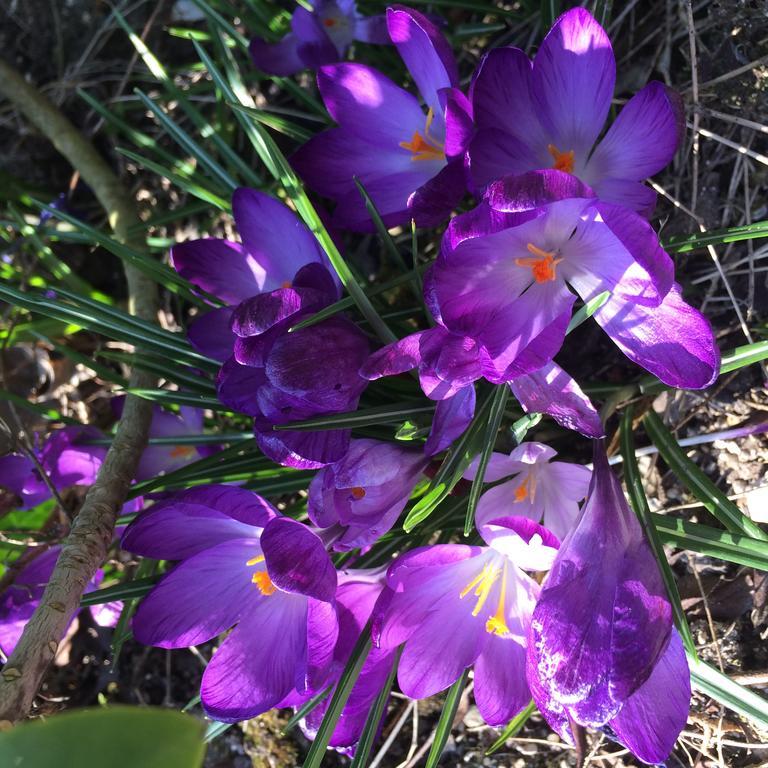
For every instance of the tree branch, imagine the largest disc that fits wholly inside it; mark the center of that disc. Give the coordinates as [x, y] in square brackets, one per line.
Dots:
[91, 535]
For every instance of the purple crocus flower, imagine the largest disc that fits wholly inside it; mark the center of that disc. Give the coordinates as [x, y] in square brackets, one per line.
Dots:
[602, 651]
[318, 36]
[275, 278]
[20, 600]
[356, 597]
[456, 606]
[545, 491]
[362, 495]
[503, 276]
[411, 164]
[240, 564]
[274, 246]
[550, 112]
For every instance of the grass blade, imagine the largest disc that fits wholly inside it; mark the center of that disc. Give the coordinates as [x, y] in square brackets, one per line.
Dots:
[496, 414]
[128, 590]
[686, 243]
[339, 699]
[381, 414]
[697, 482]
[514, 727]
[444, 725]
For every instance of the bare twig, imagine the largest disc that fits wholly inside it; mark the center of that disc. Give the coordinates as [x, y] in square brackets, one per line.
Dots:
[86, 546]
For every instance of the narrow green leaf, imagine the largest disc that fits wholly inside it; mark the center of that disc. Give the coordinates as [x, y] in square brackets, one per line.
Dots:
[589, 309]
[172, 397]
[720, 687]
[215, 729]
[381, 414]
[685, 243]
[639, 502]
[512, 728]
[128, 590]
[305, 709]
[521, 426]
[498, 404]
[456, 461]
[371, 728]
[445, 723]
[278, 123]
[339, 699]
[733, 547]
[697, 482]
[741, 356]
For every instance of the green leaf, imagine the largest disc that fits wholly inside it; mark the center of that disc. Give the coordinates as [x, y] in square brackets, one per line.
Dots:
[118, 737]
[500, 396]
[639, 502]
[371, 728]
[172, 397]
[589, 309]
[305, 709]
[697, 482]
[512, 728]
[339, 699]
[706, 540]
[382, 414]
[521, 426]
[741, 356]
[685, 243]
[720, 687]
[445, 723]
[128, 590]
[456, 461]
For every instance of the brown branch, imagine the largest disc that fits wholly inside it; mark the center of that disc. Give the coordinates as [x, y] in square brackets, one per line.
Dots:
[86, 546]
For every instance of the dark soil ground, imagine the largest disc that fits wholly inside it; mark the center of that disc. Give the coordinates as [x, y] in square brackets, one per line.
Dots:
[719, 182]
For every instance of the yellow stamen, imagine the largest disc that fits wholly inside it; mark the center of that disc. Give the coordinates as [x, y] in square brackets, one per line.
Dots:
[256, 560]
[483, 581]
[183, 451]
[497, 624]
[542, 265]
[264, 583]
[425, 147]
[357, 493]
[563, 160]
[526, 489]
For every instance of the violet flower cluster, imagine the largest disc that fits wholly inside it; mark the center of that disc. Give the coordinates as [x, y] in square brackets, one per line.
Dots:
[560, 600]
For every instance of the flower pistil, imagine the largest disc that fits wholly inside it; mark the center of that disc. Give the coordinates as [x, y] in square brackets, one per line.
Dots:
[563, 160]
[261, 578]
[425, 147]
[542, 264]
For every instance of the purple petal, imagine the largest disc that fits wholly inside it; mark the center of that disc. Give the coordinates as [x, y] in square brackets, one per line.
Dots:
[275, 238]
[322, 635]
[316, 46]
[279, 59]
[673, 341]
[225, 269]
[200, 598]
[573, 78]
[237, 385]
[652, 718]
[193, 520]
[302, 449]
[632, 194]
[369, 105]
[426, 54]
[261, 313]
[210, 334]
[372, 29]
[452, 416]
[552, 391]
[603, 616]
[642, 140]
[515, 194]
[431, 203]
[551, 709]
[395, 358]
[17, 475]
[459, 126]
[524, 542]
[297, 561]
[246, 678]
[501, 689]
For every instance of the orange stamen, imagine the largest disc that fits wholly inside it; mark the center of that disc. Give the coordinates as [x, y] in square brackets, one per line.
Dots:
[542, 266]
[183, 451]
[424, 147]
[521, 492]
[357, 493]
[286, 284]
[264, 583]
[330, 22]
[563, 160]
